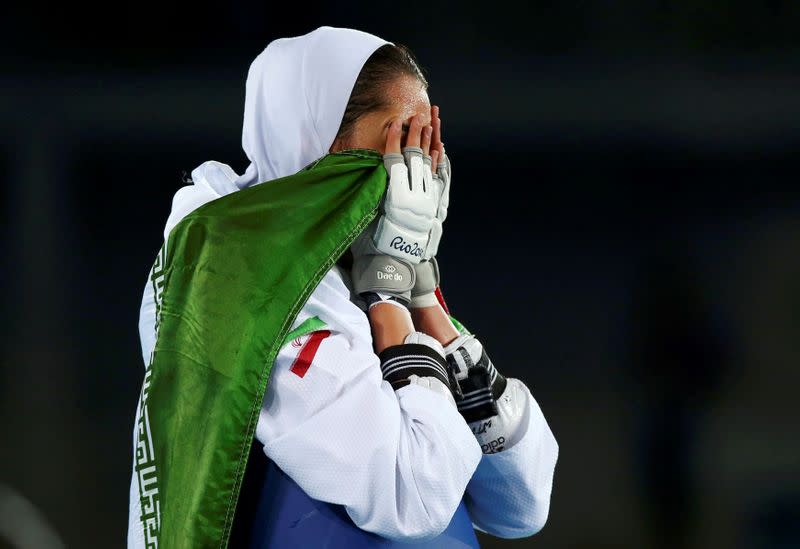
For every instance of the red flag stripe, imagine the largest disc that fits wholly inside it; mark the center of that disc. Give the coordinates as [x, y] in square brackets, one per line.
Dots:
[440, 297]
[303, 360]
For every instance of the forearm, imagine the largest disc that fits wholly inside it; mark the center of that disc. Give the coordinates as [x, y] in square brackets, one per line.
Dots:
[435, 322]
[390, 325]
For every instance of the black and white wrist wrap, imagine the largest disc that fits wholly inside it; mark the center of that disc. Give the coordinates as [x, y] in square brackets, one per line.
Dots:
[478, 385]
[420, 356]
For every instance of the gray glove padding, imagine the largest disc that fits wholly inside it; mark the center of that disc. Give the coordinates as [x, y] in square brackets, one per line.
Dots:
[427, 279]
[374, 272]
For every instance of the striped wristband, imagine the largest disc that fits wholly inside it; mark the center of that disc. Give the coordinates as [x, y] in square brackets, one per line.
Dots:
[398, 362]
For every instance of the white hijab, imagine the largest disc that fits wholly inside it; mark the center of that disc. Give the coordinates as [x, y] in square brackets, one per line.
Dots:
[297, 91]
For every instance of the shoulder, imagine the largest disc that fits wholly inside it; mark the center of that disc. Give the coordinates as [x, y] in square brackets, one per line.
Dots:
[329, 344]
[210, 181]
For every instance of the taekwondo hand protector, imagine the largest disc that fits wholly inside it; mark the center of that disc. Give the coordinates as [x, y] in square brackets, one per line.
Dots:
[504, 430]
[385, 253]
[427, 270]
[410, 207]
[492, 405]
[376, 275]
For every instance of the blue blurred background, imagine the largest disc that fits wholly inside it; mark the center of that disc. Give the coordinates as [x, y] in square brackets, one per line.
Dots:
[623, 236]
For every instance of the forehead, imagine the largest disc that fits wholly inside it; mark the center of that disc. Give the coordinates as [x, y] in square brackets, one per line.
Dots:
[407, 97]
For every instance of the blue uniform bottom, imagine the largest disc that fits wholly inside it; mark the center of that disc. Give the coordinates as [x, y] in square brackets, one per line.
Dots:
[273, 511]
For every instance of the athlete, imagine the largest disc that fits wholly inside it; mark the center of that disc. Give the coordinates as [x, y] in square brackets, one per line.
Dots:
[384, 421]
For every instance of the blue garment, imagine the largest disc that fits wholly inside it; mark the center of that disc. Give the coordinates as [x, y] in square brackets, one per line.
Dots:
[273, 511]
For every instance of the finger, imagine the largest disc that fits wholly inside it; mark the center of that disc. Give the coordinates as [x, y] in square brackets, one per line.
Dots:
[393, 136]
[426, 140]
[436, 123]
[439, 147]
[441, 165]
[434, 160]
[414, 131]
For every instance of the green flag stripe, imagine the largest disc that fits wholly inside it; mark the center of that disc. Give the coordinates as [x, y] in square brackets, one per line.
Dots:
[256, 405]
[460, 327]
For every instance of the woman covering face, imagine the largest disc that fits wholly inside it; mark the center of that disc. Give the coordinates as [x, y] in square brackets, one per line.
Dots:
[305, 384]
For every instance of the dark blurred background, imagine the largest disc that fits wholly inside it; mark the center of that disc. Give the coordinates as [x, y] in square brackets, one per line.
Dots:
[629, 169]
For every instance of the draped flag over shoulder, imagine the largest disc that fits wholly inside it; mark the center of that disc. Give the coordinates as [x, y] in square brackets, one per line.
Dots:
[229, 282]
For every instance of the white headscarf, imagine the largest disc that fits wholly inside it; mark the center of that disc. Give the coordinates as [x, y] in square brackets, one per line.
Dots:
[297, 91]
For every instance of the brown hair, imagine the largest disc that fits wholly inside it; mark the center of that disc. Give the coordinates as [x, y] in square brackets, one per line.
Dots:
[382, 67]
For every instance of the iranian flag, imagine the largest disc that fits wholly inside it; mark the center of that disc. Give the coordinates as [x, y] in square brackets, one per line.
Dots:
[229, 281]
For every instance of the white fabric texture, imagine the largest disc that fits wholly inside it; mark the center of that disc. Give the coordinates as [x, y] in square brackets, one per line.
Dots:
[434, 385]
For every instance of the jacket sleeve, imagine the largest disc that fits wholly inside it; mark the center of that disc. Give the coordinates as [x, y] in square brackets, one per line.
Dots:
[399, 462]
[509, 494]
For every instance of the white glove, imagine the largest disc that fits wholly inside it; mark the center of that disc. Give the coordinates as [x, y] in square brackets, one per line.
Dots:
[385, 253]
[410, 206]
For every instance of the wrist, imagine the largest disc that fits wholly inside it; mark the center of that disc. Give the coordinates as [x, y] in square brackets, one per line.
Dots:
[390, 323]
[435, 322]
